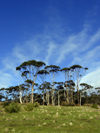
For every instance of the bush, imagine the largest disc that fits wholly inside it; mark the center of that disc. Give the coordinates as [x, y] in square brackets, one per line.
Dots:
[95, 106]
[4, 104]
[29, 107]
[12, 108]
[64, 103]
[36, 104]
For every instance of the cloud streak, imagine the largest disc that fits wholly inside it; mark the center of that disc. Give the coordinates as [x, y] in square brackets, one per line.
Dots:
[50, 50]
[92, 78]
[81, 48]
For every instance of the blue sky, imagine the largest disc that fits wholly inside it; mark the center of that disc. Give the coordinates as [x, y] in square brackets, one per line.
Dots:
[60, 32]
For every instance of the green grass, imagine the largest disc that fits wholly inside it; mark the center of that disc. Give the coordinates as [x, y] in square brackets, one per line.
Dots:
[51, 120]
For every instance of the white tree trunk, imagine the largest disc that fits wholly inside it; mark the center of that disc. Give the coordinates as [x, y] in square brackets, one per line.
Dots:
[58, 99]
[20, 97]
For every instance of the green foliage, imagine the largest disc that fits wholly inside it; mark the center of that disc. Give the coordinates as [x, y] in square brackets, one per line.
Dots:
[4, 104]
[36, 104]
[12, 108]
[95, 106]
[64, 103]
[29, 107]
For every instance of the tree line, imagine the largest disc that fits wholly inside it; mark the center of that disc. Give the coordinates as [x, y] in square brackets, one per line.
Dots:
[41, 85]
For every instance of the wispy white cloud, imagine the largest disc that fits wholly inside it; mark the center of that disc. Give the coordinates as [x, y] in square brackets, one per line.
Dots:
[50, 50]
[80, 48]
[89, 58]
[72, 45]
[92, 78]
[92, 40]
[56, 45]
[64, 51]
[5, 79]
[87, 51]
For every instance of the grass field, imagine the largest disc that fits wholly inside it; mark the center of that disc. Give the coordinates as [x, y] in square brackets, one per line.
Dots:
[52, 120]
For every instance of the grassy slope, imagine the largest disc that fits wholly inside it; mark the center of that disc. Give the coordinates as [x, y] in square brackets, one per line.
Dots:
[52, 120]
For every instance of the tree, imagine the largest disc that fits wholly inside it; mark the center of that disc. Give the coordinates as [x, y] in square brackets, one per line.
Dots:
[2, 94]
[42, 74]
[67, 77]
[59, 87]
[31, 69]
[71, 86]
[29, 84]
[52, 69]
[78, 73]
[45, 87]
[85, 87]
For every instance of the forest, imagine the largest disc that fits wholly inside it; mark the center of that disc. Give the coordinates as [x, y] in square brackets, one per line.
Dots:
[42, 85]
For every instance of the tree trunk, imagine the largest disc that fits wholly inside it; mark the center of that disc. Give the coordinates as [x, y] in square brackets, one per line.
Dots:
[80, 98]
[32, 95]
[26, 95]
[43, 98]
[20, 97]
[48, 98]
[53, 97]
[34, 79]
[72, 97]
[67, 99]
[58, 99]
[67, 96]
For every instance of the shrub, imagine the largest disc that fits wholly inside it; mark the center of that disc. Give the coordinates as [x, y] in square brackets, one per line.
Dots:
[4, 104]
[29, 107]
[36, 104]
[95, 106]
[64, 103]
[12, 108]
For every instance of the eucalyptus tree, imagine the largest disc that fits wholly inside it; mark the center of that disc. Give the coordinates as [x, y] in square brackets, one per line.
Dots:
[94, 98]
[98, 93]
[71, 86]
[82, 91]
[45, 87]
[48, 88]
[12, 92]
[29, 85]
[21, 93]
[77, 71]
[1, 97]
[29, 82]
[59, 85]
[85, 87]
[98, 89]
[31, 67]
[67, 78]
[52, 69]
[23, 74]
[42, 74]
[2, 94]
